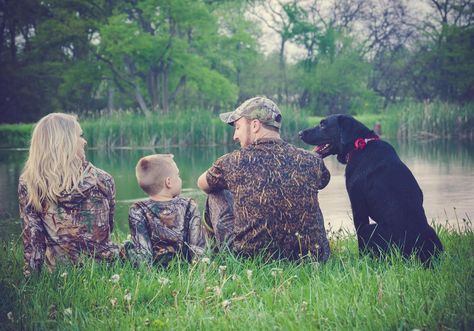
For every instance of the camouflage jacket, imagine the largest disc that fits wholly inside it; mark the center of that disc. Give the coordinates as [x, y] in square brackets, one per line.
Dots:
[275, 188]
[162, 229]
[79, 224]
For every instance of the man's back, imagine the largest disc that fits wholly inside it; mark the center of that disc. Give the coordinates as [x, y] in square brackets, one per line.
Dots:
[275, 187]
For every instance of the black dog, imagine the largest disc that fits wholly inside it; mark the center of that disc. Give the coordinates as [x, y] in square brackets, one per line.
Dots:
[380, 186]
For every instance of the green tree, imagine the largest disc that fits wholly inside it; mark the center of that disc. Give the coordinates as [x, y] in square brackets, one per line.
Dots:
[164, 47]
[445, 57]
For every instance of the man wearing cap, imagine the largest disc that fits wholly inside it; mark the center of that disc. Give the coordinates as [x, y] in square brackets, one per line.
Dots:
[263, 198]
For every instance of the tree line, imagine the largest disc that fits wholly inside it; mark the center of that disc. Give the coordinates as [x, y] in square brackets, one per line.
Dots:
[164, 55]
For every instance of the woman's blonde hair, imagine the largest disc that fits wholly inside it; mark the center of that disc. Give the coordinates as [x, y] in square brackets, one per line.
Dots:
[53, 164]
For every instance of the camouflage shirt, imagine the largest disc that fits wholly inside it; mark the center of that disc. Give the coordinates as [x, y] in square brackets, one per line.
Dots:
[161, 229]
[80, 223]
[275, 187]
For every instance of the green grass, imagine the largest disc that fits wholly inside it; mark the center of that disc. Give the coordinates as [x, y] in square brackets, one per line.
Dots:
[347, 293]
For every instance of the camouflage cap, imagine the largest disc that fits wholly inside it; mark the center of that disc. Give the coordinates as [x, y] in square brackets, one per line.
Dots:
[263, 109]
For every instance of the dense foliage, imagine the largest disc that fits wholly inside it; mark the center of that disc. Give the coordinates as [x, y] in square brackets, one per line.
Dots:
[162, 55]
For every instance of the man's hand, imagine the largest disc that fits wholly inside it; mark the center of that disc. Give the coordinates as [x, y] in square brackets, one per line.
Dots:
[203, 184]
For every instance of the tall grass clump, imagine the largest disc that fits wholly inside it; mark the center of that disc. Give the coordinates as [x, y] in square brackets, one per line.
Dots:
[434, 120]
[181, 128]
[224, 292]
[131, 129]
[15, 135]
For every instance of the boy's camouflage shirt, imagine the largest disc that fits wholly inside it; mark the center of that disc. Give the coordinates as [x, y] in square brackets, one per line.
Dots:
[162, 229]
[275, 188]
[79, 224]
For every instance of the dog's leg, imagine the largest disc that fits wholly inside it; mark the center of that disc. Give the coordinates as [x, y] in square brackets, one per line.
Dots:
[361, 220]
[372, 240]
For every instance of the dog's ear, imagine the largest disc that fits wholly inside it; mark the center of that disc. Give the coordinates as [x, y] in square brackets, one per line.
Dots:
[347, 129]
[351, 129]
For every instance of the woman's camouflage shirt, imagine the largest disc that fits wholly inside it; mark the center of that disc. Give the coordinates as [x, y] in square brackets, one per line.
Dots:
[80, 223]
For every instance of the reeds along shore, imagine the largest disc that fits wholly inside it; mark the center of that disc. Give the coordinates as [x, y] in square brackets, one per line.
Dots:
[186, 128]
[224, 292]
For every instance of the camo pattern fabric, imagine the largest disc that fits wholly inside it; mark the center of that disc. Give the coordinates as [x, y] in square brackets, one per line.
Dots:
[275, 200]
[259, 108]
[162, 229]
[79, 225]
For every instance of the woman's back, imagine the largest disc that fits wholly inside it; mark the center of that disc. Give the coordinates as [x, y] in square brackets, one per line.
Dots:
[66, 204]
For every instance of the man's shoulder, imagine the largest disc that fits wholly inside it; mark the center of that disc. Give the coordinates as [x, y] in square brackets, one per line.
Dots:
[290, 150]
[230, 156]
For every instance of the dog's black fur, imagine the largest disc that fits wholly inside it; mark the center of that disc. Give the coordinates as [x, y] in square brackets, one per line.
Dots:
[380, 186]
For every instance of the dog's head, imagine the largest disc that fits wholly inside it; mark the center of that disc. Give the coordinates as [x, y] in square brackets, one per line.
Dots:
[335, 134]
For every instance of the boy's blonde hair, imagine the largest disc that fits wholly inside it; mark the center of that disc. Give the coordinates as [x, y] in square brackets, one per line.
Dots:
[152, 170]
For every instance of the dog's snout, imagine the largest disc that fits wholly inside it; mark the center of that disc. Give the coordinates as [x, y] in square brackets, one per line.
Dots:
[300, 134]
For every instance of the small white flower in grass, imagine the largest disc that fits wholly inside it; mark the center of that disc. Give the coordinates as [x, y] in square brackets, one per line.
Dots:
[129, 237]
[276, 271]
[113, 302]
[304, 306]
[128, 296]
[217, 291]
[115, 278]
[226, 304]
[68, 312]
[64, 275]
[222, 269]
[10, 316]
[206, 260]
[315, 264]
[249, 274]
[163, 281]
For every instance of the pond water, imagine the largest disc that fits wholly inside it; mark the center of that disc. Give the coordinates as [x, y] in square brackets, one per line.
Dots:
[444, 170]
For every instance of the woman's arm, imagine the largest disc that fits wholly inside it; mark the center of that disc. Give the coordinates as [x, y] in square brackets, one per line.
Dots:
[33, 234]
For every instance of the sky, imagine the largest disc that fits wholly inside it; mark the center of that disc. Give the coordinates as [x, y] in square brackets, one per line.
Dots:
[270, 40]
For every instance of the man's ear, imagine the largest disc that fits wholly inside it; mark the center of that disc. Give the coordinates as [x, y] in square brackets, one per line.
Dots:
[255, 125]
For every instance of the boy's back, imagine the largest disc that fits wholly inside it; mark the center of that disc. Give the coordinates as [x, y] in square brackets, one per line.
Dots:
[162, 229]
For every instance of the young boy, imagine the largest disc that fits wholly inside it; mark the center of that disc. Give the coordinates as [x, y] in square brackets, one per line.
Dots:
[166, 224]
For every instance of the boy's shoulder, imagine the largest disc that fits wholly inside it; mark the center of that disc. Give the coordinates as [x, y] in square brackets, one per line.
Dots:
[152, 204]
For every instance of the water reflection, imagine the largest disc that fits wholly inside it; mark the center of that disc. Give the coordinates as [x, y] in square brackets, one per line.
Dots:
[444, 170]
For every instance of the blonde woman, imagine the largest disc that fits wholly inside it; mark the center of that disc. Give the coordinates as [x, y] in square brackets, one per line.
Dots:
[66, 204]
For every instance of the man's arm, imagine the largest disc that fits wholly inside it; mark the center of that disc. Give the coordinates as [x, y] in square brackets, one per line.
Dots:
[203, 184]
[325, 175]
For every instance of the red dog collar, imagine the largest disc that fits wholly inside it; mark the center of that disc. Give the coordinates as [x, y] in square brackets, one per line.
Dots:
[359, 144]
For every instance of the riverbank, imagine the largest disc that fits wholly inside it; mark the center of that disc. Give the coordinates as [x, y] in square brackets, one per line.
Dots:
[202, 128]
[347, 293]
